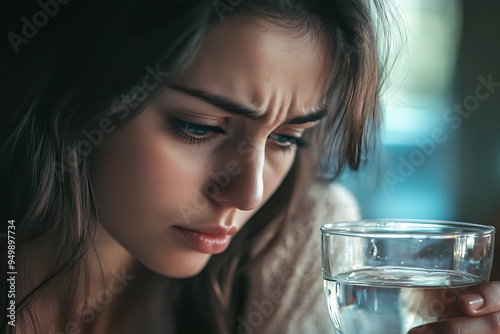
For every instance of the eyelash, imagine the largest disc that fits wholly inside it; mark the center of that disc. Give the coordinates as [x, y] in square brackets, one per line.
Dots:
[294, 141]
[179, 127]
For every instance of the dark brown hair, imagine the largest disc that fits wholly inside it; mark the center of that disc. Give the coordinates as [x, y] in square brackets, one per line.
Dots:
[70, 76]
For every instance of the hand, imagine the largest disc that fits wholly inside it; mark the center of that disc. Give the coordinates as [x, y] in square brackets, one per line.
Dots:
[474, 310]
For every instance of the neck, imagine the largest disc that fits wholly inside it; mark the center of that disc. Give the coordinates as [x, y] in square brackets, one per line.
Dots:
[110, 264]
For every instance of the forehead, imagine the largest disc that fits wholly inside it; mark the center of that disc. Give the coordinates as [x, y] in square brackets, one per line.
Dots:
[260, 64]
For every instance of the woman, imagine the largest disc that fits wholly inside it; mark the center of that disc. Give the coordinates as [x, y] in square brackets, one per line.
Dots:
[158, 160]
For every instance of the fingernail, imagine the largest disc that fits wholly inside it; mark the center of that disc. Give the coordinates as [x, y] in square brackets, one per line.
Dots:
[473, 302]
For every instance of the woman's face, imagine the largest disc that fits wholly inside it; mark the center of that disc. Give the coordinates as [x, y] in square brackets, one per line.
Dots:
[176, 182]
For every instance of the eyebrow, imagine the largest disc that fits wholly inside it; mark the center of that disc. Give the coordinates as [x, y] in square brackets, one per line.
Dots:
[238, 109]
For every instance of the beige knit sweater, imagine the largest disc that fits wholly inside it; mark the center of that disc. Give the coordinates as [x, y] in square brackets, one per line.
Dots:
[287, 291]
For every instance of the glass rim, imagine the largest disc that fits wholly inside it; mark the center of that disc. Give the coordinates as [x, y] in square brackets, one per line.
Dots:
[475, 230]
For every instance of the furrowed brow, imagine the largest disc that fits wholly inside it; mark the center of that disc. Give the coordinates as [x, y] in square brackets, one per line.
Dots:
[312, 117]
[222, 103]
[238, 109]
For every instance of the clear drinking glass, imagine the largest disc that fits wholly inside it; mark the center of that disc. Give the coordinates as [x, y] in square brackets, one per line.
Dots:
[388, 276]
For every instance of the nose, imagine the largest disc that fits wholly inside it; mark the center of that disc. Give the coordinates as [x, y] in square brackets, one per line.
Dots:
[240, 177]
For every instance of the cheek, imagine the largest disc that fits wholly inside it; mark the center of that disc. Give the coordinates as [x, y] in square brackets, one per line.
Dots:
[140, 178]
[142, 174]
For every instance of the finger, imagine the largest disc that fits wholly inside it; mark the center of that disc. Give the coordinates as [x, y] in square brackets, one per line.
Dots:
[485, 324]
[480, 299]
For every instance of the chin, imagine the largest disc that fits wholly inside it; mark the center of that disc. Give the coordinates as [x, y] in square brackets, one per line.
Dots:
[180, 267]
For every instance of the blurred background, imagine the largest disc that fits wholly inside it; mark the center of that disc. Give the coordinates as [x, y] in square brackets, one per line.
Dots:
[441, 133]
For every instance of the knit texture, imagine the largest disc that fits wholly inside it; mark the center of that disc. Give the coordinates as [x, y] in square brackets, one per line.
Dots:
[287, 286]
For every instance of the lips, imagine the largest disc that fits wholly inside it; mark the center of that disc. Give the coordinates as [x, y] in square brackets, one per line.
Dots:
[208, 240]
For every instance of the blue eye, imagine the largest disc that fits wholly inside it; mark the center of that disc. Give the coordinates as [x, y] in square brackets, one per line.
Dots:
[197, 129]
[287, 142]
[282, 139]
[194, 133]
